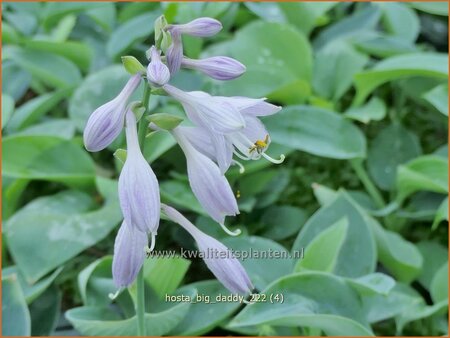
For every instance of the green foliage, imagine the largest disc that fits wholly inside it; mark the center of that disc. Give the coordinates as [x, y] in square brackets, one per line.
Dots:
[362, 194]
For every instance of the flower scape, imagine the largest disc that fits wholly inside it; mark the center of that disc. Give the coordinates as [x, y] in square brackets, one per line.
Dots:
[222, 132]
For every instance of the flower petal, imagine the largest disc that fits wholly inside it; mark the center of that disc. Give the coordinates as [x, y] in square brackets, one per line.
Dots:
[129, 255]
[218, 258]
[217, 67]
[138, 187]
[207, 182]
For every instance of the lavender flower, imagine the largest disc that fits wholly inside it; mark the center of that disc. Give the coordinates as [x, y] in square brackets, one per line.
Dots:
[138, 186]
[217, 67]
[201, 27]
[218, 258]
[129, 254]
[207, 182]
[206, 111]
[174, 53]
[157, 72]
[106, 122]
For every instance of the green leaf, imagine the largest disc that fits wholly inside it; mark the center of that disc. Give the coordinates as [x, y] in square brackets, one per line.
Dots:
[95, 282]
[77, 52]
[97, 89]
[334, 68]
[438, 97]
[432, 7]
[9, 34]
[374, 110]
[360, 21]
[278, 60]
[63, 128]
[441, 214]
[133, 31]
[164, 274]
[63, 29]
[15, 80]
[31, 291]
[434, 256]
[418, 311]
[157, 144]
[398, 67]
[261, 268]
[317, 131]
[439, 284]
[380, 307]
[7, 108]
[358, 253]
[15, 315]
[393, 146]
[45, 312]
[180, 194]
[47, 158]
[374, 283]
[165, 121]
[310, 299]
[322, 253]
[51, 230]
[51, 69]
[100, 321]
[196, 323]
[425, 173]
[121, 155]
[280, 222]
[400, 257]
[323, 194]
[132, 65]
[383, 45]
[400, 20]
[32, 110]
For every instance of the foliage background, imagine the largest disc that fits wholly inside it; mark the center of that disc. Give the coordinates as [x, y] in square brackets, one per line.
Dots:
[363, 189]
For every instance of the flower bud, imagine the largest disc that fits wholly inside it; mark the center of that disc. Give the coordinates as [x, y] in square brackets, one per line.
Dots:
[218, 67]
[106, 122]
[208, 184]
[138, 186]
[129, 254]
[174, 53]
[157, 72]
[218, 258]
[201, 27]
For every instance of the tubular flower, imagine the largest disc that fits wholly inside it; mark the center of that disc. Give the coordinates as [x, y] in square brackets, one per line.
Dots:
[129, 254]
[217, 67]
[207, 111]
[201, 27]
[138, 186]
[157, 72]
[174, 53]
[218, 258]
[207, 182]
[106, 122]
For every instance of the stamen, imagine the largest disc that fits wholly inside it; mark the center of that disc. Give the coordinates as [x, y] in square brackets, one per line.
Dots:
[236, 232]
[242, 157]
[114, 295]
[152, 242]
[270, 159]
[241, 167]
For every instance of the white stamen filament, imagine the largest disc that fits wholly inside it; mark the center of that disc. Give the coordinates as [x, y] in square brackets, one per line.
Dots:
[241, 167]
[270, 159]
[152, 242]
[114, 295]
[236, 232]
